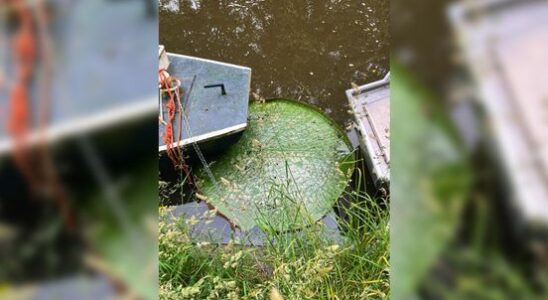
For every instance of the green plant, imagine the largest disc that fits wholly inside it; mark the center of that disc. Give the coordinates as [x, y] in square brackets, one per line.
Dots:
[301, 264]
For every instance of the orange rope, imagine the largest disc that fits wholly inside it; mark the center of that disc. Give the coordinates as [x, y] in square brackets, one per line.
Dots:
[23, 44]
[174, 154]
[24, 47]
[165, 82]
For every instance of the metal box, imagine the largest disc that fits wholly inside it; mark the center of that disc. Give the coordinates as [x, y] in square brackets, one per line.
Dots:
[370, 105]
[505, 47]
[98, 79]
[215, 98]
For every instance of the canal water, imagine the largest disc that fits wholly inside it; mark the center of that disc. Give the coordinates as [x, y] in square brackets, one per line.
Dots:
[309, 50]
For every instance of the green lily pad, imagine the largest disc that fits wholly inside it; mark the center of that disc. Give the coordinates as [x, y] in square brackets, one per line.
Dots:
[288, 169]
[430, 183]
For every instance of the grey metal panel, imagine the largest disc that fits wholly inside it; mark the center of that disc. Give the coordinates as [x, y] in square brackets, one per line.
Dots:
[370, 104]
[210, 114]
[74, 287]
[218, 229]
[505, 45]
[98, 78]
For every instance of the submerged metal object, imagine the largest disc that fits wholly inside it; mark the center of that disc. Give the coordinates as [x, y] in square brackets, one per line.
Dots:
[505, 46]
[73, 287]
[213, 228]
[214, 97]
[370, 105]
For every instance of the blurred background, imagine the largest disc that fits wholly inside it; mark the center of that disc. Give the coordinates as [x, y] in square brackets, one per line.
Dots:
[469, 211]
[78, 156]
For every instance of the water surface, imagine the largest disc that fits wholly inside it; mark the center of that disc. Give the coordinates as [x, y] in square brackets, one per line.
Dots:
[305, 50]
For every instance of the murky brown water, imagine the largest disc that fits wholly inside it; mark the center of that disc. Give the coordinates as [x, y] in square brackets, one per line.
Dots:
[424, 42]
[309, 50]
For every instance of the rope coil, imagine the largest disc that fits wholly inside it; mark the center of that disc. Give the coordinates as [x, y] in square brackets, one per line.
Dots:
[170, 85]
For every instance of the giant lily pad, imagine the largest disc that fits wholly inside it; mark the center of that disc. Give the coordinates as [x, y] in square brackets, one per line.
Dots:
[288, 169]
[430, 182]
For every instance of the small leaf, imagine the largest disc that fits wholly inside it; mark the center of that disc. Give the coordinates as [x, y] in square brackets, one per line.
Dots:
[275, 294]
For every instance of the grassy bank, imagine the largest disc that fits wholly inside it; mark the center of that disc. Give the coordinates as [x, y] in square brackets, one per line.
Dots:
[298, 265]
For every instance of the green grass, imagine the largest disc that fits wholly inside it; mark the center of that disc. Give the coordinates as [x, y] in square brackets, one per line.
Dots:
[299, 265]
